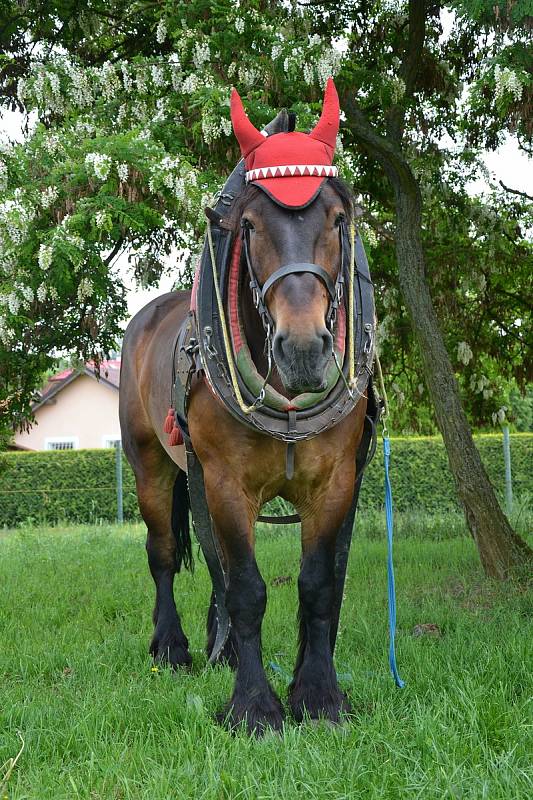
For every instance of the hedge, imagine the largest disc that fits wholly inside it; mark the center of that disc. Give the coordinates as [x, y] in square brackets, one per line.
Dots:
[63, 485]
[79, 485]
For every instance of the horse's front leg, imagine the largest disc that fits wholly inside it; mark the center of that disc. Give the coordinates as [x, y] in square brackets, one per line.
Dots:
[314, 690]
[253, 701]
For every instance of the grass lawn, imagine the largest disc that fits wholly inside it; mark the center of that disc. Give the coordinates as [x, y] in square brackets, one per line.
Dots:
[76, 680]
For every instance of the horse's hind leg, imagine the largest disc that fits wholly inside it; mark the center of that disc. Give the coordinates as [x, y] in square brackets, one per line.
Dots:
[163, 501]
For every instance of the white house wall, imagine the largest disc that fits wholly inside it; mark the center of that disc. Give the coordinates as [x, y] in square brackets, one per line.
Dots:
[84, 410]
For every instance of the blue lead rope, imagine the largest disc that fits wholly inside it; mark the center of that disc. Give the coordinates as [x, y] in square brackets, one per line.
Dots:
[390, 566]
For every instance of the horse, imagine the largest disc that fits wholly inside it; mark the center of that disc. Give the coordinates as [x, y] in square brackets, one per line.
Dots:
[243, 467]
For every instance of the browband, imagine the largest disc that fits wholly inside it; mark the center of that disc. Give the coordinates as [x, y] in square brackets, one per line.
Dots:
[290, 269]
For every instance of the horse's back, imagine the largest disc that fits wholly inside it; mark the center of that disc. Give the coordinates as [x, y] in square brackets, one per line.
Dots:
[146, 371]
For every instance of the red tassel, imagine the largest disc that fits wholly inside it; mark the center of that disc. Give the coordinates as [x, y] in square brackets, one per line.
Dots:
[176, 436]
[169, 421]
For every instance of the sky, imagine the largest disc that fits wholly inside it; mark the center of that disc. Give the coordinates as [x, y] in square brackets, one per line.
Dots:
[507, 163]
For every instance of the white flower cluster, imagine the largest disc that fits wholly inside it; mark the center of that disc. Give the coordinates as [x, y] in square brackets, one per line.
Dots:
[464, 353]
[498, 417]
[52, 143]
[99, 164]
[82, 86]
[370, 235]
[171, 174]
[158, 76]
[79, 89]
[101, 218]
[211, 127]
[201, 54]
[397, 87]
[15, 219]
[41, 293]
[126, 77]
[109, 81]
[190, 84]
[3, 176]
[277, 50]
[316, 66]
[20, 297]
[49, 196]
[239, 25]
[85, 289]
[507, 81]
[161, 31]
[480, 384]
[46, 255]
[226, 126]
[400, 396]
[7, 334]
[249, 76]
[122, 172]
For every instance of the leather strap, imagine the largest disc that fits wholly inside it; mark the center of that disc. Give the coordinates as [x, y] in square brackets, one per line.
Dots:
[205, 534]
[295, 267]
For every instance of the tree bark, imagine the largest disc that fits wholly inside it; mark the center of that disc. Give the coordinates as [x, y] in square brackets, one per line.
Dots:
[500, 548]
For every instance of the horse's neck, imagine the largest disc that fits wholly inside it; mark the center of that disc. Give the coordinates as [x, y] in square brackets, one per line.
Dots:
[255, 336]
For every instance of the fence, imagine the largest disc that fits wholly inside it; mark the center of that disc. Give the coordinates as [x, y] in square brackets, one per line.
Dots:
[93, 485]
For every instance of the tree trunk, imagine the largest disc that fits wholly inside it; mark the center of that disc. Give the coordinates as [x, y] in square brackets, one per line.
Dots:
[500, 548]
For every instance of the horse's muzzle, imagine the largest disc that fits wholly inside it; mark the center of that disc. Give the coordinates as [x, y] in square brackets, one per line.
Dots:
[302, 362]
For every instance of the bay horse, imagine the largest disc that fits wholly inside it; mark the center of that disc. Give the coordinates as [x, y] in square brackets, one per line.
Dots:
[244, 468]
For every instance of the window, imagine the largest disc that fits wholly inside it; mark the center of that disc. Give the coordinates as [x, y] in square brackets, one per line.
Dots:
[61, 443]
[112, 441]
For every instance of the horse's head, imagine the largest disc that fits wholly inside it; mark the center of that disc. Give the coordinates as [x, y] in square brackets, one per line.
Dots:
[297, 301]
[292, 236]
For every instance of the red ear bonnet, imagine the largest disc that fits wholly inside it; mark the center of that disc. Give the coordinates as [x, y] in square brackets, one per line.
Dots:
[247, 135]
[327, 127]
[289, 167]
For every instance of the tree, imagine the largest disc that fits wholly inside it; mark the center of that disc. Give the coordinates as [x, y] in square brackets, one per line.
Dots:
[133, 136]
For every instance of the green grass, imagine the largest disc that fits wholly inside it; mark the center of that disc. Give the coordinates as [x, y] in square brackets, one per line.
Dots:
[76, 681]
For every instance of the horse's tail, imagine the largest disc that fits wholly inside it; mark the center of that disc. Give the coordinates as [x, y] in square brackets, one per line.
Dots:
[180, 522]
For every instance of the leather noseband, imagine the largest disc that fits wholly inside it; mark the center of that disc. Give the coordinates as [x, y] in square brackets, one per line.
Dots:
[290, 269]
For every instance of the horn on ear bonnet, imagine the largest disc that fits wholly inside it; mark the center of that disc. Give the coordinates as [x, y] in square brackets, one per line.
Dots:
[289, 167]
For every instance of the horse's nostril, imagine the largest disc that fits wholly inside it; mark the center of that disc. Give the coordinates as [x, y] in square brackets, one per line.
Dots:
[277, 345]
[327, 343]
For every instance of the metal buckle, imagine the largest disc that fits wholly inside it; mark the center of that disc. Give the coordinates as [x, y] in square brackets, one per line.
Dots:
[367, 347]
[209, 349]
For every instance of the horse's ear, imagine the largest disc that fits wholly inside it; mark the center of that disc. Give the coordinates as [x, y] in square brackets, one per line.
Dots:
[327, 127]
[280, 123]
[247, 134]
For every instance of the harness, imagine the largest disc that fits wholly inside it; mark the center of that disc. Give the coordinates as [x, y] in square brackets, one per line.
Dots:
[206, 347]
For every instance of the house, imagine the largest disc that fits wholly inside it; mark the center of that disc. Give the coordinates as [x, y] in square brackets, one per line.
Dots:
[76, 409]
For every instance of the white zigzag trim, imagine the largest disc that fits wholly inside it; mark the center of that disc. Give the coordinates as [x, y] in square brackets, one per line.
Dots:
[292, 170]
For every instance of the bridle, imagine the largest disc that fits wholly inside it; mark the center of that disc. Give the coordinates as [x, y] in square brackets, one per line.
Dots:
[335, 288]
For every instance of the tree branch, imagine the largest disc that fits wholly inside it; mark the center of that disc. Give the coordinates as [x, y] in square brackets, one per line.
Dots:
[516, 191]
[380, 147]
[114, 252]
[409, 67]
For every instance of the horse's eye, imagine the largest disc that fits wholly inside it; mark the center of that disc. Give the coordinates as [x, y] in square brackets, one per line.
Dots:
[246, 224]
[339, 219]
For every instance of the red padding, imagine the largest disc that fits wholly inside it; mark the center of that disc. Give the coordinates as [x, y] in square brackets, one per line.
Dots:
[233, 295]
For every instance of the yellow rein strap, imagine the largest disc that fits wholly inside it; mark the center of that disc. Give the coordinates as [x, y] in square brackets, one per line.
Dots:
[227, 343]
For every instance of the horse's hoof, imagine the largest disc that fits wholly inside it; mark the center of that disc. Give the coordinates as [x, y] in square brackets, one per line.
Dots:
[171, 649]
[257, 715]
[309, 703]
